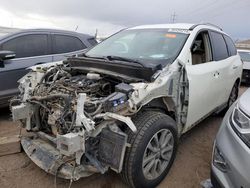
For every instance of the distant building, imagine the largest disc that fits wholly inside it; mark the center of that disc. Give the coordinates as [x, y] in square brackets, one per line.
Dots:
[243, 44]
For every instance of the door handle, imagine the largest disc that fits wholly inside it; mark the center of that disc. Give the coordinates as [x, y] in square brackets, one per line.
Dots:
[39, 63]
[235, 67]
[216, 74]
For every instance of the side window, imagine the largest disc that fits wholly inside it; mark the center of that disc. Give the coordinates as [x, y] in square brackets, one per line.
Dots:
[219, 46]
[230, 46]
[201, 49]
[28, 45]
[66, 43]
[92, 41]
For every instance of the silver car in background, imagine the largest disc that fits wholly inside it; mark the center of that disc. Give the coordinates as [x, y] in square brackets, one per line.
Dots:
[231, 155]
[245, 56]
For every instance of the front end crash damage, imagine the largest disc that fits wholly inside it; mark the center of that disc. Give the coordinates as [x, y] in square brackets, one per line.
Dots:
[79, 119]
[48, 158]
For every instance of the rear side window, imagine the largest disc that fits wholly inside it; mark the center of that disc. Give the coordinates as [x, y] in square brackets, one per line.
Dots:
[28, 45]
[66, 43]
[230, 45]
[219, 46]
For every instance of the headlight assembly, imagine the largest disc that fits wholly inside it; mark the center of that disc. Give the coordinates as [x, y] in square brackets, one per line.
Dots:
[219, 160]
[240, 122]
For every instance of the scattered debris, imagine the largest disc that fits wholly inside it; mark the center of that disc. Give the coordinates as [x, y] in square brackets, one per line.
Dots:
[206, 184]
[10, 145]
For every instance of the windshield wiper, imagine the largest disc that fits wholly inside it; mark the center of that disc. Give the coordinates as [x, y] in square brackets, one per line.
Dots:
[95, 57]
[112, 57]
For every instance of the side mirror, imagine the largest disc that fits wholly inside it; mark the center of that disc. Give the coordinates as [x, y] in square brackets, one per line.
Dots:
[5, 55]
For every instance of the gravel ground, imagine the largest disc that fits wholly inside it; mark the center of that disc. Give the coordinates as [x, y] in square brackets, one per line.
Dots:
[192, 164]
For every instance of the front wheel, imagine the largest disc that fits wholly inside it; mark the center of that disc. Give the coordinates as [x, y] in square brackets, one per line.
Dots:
[153, 149]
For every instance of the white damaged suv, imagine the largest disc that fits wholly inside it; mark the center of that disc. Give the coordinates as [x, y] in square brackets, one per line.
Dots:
[124, 104]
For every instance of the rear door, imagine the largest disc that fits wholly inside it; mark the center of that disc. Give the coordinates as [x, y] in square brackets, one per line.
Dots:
[235, 63]
[221, 56]
[203, 77]
[65, 46]
[228, 64]
[31, 49]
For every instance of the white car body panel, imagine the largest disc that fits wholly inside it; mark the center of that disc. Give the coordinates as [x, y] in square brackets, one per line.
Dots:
[203, 86]
[210, 83]
[230, 69]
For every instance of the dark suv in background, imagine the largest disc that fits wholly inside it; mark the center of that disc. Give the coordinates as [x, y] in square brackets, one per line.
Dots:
[21, 49]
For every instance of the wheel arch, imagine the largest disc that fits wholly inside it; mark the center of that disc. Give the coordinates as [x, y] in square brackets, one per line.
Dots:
[162, 104]
[237, 81]
[147, 122]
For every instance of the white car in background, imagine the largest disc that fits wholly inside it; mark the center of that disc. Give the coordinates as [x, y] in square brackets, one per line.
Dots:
[245, 56]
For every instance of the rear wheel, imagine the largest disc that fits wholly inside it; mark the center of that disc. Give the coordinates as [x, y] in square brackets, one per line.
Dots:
[233, 95]
[152, 152]
[232, 98]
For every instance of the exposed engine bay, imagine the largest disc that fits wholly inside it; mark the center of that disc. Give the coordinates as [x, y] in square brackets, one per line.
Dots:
[59, 93]
[79, 119]
[83, 115]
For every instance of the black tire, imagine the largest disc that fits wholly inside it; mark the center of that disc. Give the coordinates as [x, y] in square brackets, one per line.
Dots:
[233, 95]
[232, 98]
[148, 124]
[214, 181]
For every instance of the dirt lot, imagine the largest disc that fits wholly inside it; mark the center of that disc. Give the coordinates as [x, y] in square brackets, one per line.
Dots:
[190, 167]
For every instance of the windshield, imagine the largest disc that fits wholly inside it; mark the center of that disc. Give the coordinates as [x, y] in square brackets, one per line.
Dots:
[245, 56]
[141, 44]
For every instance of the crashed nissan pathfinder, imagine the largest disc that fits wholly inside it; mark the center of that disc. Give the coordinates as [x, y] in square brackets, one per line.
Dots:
[124, 104]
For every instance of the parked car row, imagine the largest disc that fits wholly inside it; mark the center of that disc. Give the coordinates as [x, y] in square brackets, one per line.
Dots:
[26, 48]
[124, 104]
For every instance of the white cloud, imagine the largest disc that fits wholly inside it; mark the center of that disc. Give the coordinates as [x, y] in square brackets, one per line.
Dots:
[87, 26]
[9, 19]
[112, 15]
[32, 20]
[6, 18]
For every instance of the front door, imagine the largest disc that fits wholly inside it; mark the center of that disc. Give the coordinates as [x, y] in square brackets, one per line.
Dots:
[203, 78]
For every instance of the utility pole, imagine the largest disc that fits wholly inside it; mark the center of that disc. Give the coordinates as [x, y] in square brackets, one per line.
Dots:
[76, 28]
[96, 33]
[173, 17]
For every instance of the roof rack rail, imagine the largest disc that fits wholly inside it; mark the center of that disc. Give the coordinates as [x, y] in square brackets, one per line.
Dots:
[209, 24]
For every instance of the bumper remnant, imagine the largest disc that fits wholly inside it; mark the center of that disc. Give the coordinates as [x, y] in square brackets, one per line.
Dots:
[47, 157]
